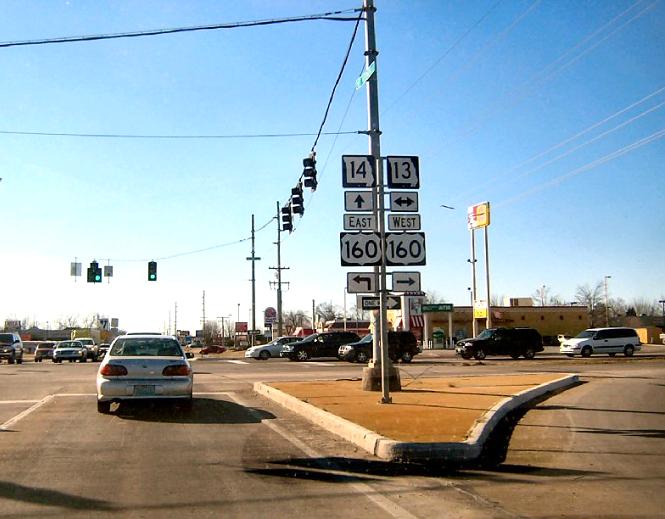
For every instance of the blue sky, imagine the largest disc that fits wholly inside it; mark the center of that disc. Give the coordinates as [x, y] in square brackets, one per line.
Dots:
[492, 116]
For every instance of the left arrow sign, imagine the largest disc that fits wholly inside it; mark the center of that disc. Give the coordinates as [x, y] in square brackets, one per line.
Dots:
[361, 282]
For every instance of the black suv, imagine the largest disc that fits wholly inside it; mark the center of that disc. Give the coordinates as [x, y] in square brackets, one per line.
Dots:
[502, 341]
[325, 344]
[401, 346]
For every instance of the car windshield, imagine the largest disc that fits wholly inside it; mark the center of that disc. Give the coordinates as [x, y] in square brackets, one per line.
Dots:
[146, 348]
[586, 334]
[486, 334]
[6, 338]
[366, 339]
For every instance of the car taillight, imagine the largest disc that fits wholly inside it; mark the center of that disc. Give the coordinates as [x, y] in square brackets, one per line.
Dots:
[177, 370]
[113, 370]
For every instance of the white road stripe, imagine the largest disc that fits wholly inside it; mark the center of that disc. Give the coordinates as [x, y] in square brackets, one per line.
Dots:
[18, 401]
[237, 362]
[5, 426]
[392, 508]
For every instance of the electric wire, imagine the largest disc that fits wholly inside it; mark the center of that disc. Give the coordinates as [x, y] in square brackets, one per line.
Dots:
[329, 16]
[587, 167]
[148, 136]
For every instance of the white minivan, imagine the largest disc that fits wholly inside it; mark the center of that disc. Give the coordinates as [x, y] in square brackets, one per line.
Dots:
[609, 341]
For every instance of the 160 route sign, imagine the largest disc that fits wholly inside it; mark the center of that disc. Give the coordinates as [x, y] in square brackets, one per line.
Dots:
[360, 249]
[406, 248]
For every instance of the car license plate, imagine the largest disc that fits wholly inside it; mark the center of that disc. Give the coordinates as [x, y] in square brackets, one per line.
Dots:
[144, 390]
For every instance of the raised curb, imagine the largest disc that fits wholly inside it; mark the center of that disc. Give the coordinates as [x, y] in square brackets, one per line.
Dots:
[393, 450]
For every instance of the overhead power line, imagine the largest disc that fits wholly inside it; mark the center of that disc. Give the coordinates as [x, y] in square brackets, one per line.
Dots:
[329, 16]
[184, 137]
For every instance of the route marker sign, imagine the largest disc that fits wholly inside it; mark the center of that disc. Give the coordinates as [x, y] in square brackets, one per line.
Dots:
[403, 222]
[403, 172]
[360, 222]
[361, 249]
[403, 201]
[373, 303]
[406, 281]
[358, 171]
[407, 248]
[359, 201]
[361, 282]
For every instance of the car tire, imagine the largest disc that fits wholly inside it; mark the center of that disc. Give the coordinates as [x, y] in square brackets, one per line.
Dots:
[103, 407]
[529, 353]
[570, 355]
[466, 356]
[84, 359]
[612, 354]
[629, 350]
[302, 355]
[19, 361]
[586, 351]
[264, 355]
[479, 354]
[515, 355]
[187, 404]
[362, 357]
[407, 357]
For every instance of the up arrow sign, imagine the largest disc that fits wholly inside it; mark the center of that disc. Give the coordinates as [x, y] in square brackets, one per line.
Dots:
[358, 201]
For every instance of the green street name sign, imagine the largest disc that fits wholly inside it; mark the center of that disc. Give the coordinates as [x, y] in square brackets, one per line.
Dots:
[439, 307]
[367, 73]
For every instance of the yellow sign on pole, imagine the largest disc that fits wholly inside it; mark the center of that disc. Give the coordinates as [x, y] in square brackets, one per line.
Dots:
[478, 215]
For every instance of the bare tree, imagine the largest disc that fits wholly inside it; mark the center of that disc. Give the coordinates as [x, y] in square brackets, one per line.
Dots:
[497, 300]
[591, 297]
[71, 321]
[294, 319]
[643, 306]
[433, 297]
[328, 311]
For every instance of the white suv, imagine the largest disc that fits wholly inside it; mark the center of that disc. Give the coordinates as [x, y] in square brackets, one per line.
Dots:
[609, 341]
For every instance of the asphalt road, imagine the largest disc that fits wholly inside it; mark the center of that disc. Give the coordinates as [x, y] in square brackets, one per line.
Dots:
[596, 450]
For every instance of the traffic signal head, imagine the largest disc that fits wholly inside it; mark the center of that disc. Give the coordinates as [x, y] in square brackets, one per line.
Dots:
[152, 271]
[309, 173]
[287, 219]
[297, 203]
[94, 273]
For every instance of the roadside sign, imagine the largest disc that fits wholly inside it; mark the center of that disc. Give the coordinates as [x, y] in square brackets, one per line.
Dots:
[438, 307]
[406, 281]
[360, 222]
[403, 172]
[360, 201]
[403, 201]
[404, 249]
[358, 171]
[403, 222]
[373, 303]
[367, 73]
[361, 249]
[478, 215]
[361, 282]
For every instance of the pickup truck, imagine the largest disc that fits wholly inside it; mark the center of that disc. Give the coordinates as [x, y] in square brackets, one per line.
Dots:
[90, 346]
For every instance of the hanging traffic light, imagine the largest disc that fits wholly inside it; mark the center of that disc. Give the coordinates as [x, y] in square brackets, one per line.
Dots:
[94, 273]
[309, 172]
[152, 271]
[297, 203]
[287, 218]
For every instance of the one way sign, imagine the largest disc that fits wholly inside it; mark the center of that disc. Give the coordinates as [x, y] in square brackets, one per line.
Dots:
[373, 303]
[404, 201]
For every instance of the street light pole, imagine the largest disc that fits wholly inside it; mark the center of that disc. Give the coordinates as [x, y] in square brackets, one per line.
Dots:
[607, 310]
[662, 302]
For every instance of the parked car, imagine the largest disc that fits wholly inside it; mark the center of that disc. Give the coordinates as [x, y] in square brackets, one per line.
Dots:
[11, 347]
[272, 349]
[103, 348]
[70, 350]
[515, 342]
[562, 337]
[401, 346]
[44, 350]
[609, 341]
[141, 367]
[324, 344]
[91, 347]
[214, 348]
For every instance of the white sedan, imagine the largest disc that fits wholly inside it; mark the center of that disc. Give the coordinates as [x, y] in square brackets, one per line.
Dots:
[139, 367]
[272, 349]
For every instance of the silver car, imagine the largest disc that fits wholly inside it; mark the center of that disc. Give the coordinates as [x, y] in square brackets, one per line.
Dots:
[69, 350]
[139, 367]
[272, 349]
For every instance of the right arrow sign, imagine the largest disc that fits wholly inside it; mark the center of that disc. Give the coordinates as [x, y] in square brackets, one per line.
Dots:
[406, 281]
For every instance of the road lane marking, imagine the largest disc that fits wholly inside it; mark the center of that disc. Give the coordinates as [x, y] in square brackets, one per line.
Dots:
[5, 426]
[237, 361]
[18, 401]
[392, 508]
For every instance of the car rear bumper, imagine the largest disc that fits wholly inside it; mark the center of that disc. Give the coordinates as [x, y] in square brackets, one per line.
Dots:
[130, 389]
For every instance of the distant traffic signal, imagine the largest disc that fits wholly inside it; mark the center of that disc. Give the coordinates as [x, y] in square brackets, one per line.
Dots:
[297, 202]
[309, 173]
[152, 271]
[94, 273]
[287, 218]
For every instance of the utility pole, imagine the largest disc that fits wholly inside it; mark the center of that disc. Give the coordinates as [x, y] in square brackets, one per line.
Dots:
[203, 319]
[253, 259]
[380, 372]
[313, 317]
[279, 269]
[607, 309]
[175, 320]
